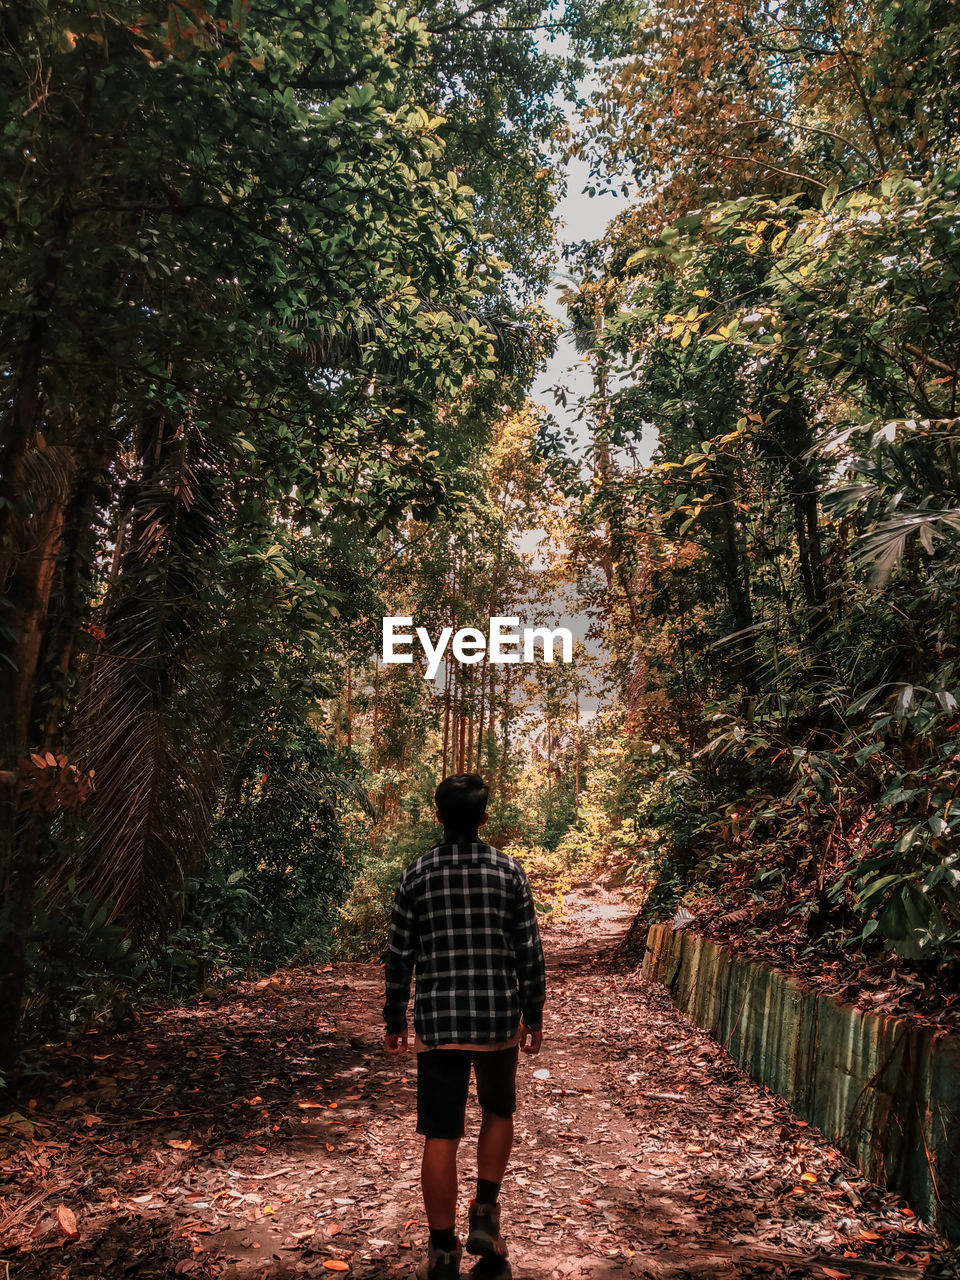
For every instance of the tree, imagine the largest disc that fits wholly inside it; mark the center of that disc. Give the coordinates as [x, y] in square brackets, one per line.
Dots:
[490, 76]
[238, 284]
[779, 305]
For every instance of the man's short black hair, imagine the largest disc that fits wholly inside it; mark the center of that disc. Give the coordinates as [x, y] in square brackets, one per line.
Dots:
[461, 799]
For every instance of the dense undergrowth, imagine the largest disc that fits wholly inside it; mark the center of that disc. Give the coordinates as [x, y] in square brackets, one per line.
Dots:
[795, 870]
[772, 329]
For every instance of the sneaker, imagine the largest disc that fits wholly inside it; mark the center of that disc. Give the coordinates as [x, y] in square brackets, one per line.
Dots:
[440, 1264]
[484, 1237]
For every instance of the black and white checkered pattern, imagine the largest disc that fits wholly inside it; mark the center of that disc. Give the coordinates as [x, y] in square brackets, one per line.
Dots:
[463, 917]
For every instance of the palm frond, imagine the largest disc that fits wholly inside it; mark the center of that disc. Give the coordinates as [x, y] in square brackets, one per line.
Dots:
[327, 788]
[150, 734]
[883, 547]
[148, 820]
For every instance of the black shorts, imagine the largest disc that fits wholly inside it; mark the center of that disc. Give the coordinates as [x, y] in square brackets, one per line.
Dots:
[443, 1083]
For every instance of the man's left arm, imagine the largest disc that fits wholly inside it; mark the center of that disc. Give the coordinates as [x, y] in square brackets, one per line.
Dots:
[401, 953]
[531, 972]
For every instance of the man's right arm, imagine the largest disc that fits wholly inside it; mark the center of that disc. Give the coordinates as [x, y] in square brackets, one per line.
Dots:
[401, 953]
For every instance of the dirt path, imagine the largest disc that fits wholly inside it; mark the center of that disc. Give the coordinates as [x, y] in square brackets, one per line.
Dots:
[265, 1137]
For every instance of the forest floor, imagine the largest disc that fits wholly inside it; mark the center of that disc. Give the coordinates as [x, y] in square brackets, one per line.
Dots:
[264, 1136]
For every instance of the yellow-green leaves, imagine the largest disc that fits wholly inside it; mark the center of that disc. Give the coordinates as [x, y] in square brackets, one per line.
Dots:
[684, 327]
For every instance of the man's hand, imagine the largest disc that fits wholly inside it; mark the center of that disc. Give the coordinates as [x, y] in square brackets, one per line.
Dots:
[535, 1039]
[395, 1042]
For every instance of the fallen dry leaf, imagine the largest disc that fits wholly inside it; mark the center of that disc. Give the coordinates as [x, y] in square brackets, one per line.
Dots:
[604, 1124]
[67, 1222]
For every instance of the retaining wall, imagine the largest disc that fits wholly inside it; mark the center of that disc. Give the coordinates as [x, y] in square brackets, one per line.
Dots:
[886, 1092]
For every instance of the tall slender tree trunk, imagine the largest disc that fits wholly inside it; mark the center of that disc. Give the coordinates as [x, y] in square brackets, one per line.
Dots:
[349, 705]
[446, 714]
[612, 563]
[794, 437]
[576, 750]
[376, 714]
[493, 761]
[69, 602]
[480, 715]
[737, 583]
[24, 424]
[504, 762]
[470, 723]
[29, 591]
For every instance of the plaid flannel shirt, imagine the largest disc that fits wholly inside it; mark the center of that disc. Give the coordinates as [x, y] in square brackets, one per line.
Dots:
[463, 918]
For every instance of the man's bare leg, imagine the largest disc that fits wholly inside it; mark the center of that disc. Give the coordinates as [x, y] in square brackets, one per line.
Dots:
[493, 1152]
[493, 1146]
[438, 1178]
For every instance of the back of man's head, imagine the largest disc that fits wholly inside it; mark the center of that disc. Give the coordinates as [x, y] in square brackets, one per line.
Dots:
[461, 800]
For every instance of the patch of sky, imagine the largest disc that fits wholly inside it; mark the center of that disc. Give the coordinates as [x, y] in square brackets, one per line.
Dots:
[583, 214]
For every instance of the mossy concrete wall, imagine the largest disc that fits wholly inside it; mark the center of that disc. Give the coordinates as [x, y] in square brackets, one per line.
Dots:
[886, 1092]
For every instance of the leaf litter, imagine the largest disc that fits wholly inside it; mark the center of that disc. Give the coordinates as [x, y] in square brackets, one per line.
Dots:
[264, 1135]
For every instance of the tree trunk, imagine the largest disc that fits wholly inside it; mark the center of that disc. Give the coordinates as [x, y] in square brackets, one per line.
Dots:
[576, 747]
[349, 705]
[24, 422]
[29, 593]
[737, 576]
[797, 439]
[446, 716]
[376, 714]
[69, 603]
[19, 893]
[470, 727]
[481, 713]
[505, 727]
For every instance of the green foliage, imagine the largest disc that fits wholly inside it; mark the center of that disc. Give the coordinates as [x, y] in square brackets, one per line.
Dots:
[81, 967]
[493, 80]
[250, 325]
[673, 829]
[363, 921]
[220, 936]
[279, 861]
[363, 924]
[551, 873]
[781, 586]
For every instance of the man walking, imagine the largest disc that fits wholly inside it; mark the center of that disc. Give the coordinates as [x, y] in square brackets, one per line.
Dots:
[463, 918]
